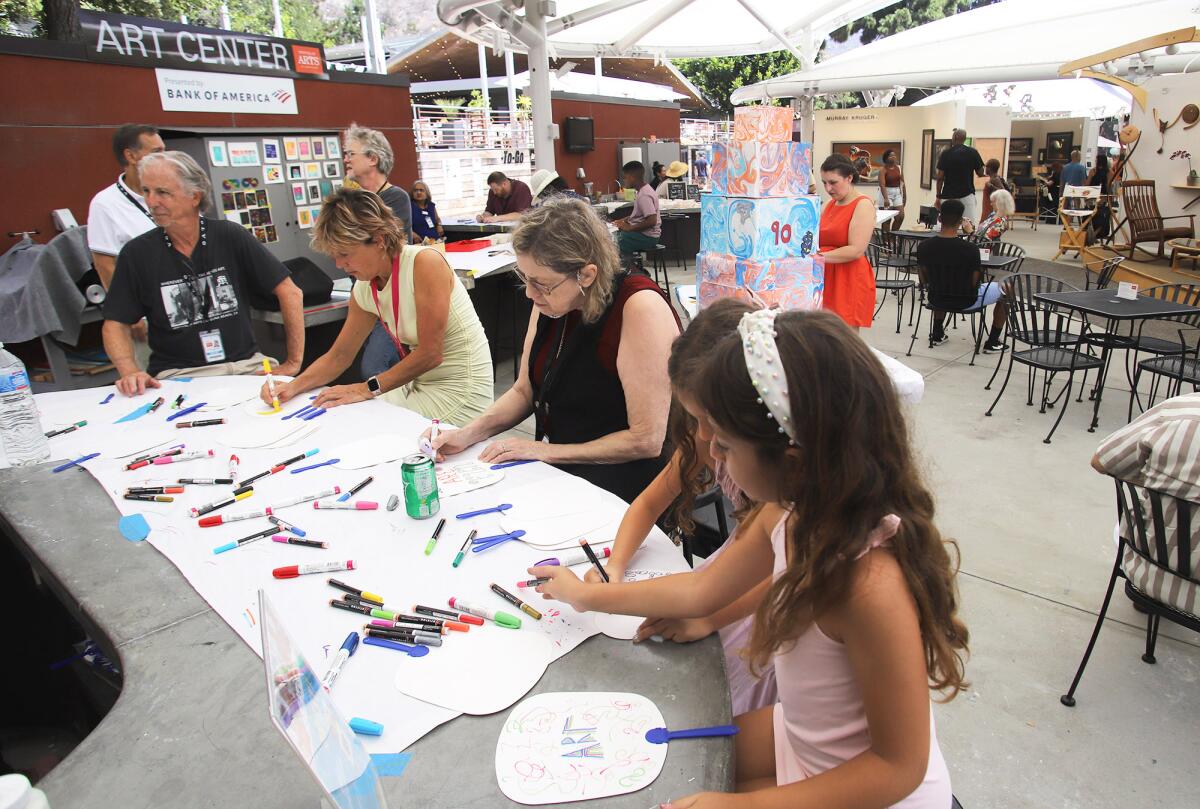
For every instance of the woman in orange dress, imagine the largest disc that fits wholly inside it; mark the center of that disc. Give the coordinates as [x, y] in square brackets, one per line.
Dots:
[846, 227]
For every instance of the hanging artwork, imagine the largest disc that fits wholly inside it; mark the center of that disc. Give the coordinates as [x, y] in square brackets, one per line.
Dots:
[927, 158]
[217, 156]
[562, 747]
[271, 151]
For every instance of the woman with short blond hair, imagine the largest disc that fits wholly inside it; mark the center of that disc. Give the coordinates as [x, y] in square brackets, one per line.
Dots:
[594, 370]
[445, 368]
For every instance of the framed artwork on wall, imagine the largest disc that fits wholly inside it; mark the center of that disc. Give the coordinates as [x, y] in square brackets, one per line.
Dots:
[939, 146]
[867, 157]
[1059, 145]
[926, 158]
[1020, 147]
[1020, 168]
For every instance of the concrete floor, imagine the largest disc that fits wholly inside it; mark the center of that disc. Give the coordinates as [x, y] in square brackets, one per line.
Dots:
[1034, 525]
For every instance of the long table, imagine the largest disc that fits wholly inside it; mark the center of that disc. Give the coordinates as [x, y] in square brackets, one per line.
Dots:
[192, 723]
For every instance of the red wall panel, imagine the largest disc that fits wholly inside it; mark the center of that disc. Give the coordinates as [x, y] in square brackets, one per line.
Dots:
[59, 114]
[613, 122]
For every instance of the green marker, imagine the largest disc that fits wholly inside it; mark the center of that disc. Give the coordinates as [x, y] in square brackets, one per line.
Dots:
[458, 557]
[385, 615]
[433, 540]
[502, 619]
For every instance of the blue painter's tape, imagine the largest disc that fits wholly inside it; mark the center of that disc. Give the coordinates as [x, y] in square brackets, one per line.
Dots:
[390, 765]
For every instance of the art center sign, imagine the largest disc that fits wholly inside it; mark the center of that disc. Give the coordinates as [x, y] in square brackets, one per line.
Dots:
[194, 91]
[162, 43]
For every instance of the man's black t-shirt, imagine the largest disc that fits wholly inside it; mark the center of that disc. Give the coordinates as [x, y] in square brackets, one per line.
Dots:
[950, 267]
[183, 297]
[398, 200]
[959, 164]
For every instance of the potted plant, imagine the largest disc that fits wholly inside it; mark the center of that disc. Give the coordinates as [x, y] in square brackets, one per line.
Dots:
[1183, 154]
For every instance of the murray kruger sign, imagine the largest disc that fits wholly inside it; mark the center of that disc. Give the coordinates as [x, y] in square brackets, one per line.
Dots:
[192, 91]
[162, 43]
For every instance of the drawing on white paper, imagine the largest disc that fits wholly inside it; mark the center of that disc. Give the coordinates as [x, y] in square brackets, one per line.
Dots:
[624, 627]
[572, 746]
[467, 476]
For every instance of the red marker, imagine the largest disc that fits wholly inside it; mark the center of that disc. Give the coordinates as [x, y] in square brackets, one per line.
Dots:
[292, 571]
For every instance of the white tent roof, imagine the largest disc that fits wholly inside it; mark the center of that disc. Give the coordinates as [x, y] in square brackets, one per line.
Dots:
[1065, 98]
[577, 83]
[664, 28]
[1014, 40]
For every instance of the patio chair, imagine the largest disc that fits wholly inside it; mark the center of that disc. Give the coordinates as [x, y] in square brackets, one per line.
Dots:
[948, 289]
[889, 279]
[1158, 556]
[1146, 224]
[1052, 347]
[1181, 366]
[1076, 207]
[1103, 272]
[1000, 248]
[1021, 290]
[1159, 346]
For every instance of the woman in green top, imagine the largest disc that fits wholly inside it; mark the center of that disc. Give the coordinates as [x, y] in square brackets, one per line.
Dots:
[445, 371]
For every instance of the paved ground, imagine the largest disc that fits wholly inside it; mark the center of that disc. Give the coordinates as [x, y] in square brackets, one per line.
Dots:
[1034, 525]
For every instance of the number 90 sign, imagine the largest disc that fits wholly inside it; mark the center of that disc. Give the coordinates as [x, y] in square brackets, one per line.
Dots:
[783, 233]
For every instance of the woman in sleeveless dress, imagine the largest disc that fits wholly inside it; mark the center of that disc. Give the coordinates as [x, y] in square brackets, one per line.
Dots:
[892, 191]
[847, 222]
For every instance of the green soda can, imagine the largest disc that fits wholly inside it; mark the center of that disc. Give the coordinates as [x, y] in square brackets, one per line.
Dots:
[420, 487]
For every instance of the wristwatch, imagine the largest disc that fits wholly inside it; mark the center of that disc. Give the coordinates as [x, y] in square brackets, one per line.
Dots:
[373, 386]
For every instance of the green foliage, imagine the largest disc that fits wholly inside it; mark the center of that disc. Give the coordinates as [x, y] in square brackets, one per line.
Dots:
[717, 77]
[903, 16]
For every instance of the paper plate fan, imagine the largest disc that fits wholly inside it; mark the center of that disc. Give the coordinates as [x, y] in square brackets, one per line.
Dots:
[574, 746]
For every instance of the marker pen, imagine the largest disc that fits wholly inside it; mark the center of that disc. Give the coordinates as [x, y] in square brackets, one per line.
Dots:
[202, 510]
[295, 501]
[154, 490]
[242, 489]
[591, 555]
[533, 582]
[292, 571]
[495, 616]
[346, 588]
[253, 478]
[429, 546]
[234, 464]
[357, 488]
[201, 423]
[150, 498]
[448, 615]
[299, 457]
[312, 414]
[306, 543]
[222, 519]
[406, 626]
[146, 460]
[190, 456]
[458, 557]
[157, 404]
[285, 525]
[107, 398]
[206, 481]
[66, 430]
[567, 560]
[186, 411]
[385, 632]
[348, 607]
[237, 543]
[349, 647]
[357, 505]
[516, 602]
[423, 639]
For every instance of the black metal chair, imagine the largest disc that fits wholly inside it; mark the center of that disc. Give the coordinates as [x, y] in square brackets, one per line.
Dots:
[1051, 348]
[1159, 346]
[1023, 291]
[1178, 368]
[658, 263]
[1103, 273]
[950, 290]
[999, 248]
[716, 498]
[889, 279]
[1158, 556]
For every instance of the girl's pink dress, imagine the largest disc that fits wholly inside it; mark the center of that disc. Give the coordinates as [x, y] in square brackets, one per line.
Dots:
[820, 721]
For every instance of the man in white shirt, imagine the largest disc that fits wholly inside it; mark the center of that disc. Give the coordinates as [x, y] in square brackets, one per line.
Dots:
[118, 212]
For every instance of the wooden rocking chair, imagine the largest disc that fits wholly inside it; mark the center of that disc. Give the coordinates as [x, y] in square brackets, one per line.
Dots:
[1076, 208]
[1140, 206]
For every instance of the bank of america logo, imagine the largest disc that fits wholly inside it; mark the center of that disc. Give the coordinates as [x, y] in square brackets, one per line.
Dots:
[282, 96]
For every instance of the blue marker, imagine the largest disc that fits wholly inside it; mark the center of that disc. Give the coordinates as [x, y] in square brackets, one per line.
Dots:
[320, 411]
[287, 526]
[315, 465]
[107, 399]
[349, 647]
[507, 464]
[186, 410]
[75, 462]
[237, 543]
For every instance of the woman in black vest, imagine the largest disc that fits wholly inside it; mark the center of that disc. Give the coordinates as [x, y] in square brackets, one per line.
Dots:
[594, 369]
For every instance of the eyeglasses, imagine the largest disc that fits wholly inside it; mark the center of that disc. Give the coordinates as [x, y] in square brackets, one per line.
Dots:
[537, 286]
[348, 153]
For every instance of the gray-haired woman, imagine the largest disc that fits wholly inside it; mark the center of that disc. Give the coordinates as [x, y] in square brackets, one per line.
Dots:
[594, 369]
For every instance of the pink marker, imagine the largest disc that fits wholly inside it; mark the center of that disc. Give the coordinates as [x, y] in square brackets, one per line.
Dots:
[573, 559]
[187, 456]
[357, 505]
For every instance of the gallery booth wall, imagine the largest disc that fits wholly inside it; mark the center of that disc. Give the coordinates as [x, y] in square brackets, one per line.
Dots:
[60, 110]
[1168, 95]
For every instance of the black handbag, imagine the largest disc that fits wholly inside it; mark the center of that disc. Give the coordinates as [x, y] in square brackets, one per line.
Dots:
[312, 280]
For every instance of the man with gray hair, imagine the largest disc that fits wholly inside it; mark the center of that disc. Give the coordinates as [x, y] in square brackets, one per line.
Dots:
[190, 277]
[957, 168]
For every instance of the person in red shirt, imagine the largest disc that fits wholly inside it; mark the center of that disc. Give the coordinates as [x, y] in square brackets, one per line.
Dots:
[507, 199]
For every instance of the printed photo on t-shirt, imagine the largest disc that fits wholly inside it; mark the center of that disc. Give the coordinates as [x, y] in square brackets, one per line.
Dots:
[194, 300]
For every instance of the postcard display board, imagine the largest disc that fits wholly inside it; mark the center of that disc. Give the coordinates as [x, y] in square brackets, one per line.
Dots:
[758, 227]
[272, 185]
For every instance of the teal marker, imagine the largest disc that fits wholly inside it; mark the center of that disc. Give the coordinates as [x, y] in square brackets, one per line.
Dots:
[458, 557]
[433, 540]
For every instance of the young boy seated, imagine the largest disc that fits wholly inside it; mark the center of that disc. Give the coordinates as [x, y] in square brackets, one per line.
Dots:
[950, 269]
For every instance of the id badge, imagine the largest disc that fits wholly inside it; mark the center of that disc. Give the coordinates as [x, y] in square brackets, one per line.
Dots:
[214, 349]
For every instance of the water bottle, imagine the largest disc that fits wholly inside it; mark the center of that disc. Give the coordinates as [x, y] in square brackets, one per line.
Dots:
[20, 428]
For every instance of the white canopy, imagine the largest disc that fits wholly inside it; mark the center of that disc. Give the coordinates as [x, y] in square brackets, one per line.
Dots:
[577, 83]
[1014, 40]
[1065, 98]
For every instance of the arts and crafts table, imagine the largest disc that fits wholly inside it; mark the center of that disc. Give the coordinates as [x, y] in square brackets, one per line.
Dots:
[191, 726]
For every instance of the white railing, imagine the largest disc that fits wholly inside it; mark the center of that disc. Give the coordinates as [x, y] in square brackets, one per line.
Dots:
[698, 131]
[438, 127]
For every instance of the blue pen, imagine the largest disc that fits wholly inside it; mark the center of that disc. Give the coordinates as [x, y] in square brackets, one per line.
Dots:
[349, 647]
[186, 410]
[304, 409]
[310, 416]
[107, 399]
[287, 526]
[315, 465]
[500, 509]
[75, 462]
[507, 464]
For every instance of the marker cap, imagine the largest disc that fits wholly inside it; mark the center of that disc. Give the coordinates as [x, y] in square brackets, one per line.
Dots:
[228, 546]
[507, 621]
[366, 727]
[209, 522]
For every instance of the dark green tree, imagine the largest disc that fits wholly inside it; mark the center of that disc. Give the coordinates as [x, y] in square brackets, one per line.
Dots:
[717, 77]
[903, 16]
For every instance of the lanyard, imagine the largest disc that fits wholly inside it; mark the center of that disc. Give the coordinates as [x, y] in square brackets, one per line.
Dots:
[132, 201]
[400, 347]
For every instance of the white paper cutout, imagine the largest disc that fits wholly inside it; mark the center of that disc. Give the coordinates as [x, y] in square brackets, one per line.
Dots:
[561, 747]
[378, 449]
[624, 627]
[467, 476]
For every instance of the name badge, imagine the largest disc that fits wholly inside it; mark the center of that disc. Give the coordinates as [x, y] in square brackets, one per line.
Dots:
[214, 349]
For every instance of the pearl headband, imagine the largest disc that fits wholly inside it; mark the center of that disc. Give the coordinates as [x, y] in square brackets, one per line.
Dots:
[765, 367]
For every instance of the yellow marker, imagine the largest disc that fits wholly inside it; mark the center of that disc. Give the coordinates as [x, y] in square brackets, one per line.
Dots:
[271, 386]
